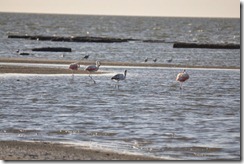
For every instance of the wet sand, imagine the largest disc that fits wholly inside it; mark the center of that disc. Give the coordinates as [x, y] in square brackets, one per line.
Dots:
[18, 150]
[40, 70]
[46, 70]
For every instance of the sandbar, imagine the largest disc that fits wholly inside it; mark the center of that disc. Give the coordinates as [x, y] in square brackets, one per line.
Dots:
[20, 150]
[51, 70]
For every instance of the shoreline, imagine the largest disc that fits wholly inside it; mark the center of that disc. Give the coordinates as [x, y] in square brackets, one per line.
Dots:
[106, 63]
[40, 70]
[40, 150]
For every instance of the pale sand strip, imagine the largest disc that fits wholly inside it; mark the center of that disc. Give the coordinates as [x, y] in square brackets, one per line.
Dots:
[88, 62]
[18, 150]
[40, 70]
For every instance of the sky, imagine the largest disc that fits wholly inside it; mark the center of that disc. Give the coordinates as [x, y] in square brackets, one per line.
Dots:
[175, 8]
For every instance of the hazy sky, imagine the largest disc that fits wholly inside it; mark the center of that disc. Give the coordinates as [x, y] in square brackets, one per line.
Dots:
[193, 8]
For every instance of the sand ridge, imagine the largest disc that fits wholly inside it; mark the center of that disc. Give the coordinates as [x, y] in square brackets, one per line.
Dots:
[22, 69]
[20, 150]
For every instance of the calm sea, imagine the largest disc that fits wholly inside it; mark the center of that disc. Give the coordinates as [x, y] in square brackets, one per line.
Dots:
[149, 114]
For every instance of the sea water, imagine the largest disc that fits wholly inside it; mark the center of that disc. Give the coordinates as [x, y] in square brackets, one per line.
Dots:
[149, 114]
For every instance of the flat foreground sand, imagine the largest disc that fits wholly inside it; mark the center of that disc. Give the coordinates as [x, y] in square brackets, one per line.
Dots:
[18, 150]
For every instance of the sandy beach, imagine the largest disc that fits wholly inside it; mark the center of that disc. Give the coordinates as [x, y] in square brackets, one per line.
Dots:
[49, 70]
[18, 150]
[40, 70]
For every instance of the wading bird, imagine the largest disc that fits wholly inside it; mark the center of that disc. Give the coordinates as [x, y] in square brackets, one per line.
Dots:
[119, 77]
[146, 60]
[86, 57]
[93, 68]
[155, 60]
[182, 77]
[74, 67]
[169, 60]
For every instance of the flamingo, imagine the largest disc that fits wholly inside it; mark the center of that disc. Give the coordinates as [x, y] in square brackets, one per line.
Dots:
[182, 77]
[93, 68]
[119, 77]
[74, 67]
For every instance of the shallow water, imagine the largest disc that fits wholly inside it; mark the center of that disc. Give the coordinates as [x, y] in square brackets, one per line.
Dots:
[148, 114]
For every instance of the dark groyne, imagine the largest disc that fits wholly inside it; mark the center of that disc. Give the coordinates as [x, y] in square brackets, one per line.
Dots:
[203, 45]
[53, 49]
[119, 40]
[71, 39]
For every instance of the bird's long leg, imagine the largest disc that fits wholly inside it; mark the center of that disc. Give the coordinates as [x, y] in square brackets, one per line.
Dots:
[72, 73]
[115, 85]
[181, 85]
[92, 79]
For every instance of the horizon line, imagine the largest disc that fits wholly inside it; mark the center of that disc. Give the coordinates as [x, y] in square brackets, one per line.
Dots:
[26, 12]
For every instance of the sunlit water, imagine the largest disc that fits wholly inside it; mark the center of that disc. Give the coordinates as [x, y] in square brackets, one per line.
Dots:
[148, 114]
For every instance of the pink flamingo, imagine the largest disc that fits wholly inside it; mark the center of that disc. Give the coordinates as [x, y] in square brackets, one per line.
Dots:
[182, 77]
[74, 67]
[93, 68]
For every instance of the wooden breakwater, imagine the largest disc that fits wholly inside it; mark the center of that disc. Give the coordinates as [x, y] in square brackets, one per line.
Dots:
[71, 38]
[53, 49]
[119, 40]
[206, 45]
